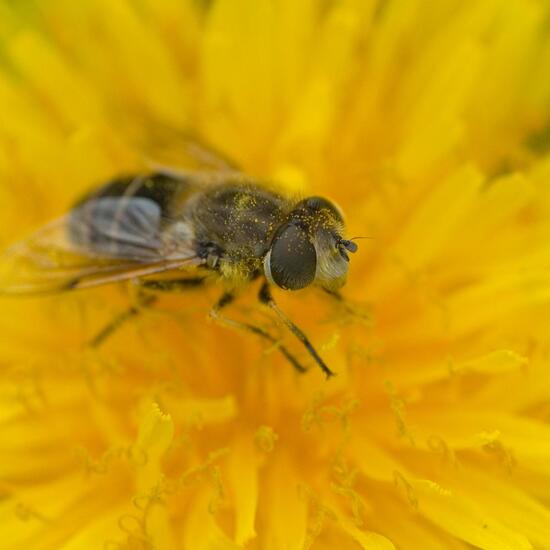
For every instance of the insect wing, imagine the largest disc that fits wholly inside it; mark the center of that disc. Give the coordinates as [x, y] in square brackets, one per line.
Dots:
[117, 228]
[168, 147]
[105, 240]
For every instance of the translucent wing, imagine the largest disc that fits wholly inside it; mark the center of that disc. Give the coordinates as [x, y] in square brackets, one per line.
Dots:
[105, 239]
[169, 147]
[122, 230]
[117, 228]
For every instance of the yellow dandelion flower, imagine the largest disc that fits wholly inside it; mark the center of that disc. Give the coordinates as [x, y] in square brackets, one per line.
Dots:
[428, 123]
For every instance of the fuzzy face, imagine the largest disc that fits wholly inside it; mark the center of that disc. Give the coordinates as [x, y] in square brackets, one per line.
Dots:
[309, 248]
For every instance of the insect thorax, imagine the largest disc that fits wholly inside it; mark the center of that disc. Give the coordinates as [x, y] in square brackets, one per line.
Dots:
[240, 219]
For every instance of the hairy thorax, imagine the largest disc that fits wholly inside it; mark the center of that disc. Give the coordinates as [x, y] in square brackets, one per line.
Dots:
[240, 220]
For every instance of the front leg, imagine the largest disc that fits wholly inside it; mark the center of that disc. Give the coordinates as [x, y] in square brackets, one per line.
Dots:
[267, 299]
[354, 310]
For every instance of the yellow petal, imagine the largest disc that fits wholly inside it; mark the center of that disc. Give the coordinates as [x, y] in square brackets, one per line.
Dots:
[243, 477]
[465, 519]
[284, 522]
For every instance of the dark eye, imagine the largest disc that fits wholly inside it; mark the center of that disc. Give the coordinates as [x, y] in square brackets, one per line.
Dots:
[292, 260]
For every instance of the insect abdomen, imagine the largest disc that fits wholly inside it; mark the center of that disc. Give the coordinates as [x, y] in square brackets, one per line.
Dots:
[124, 217]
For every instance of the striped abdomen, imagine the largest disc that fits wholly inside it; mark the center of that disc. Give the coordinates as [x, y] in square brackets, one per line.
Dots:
[125, 218]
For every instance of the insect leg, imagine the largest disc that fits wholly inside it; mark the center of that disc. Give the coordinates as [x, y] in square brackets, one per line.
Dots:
[267, 299]
[354, 310]
[172, 285]
[334, 294]
[120, 319]
[227, 299]
[144, 300]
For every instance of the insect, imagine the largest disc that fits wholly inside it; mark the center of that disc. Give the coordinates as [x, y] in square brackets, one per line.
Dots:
[196, 227]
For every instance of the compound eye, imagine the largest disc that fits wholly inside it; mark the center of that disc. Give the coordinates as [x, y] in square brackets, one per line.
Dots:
[292, 261]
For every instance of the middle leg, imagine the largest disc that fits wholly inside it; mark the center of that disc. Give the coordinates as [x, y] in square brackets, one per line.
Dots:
[227, 299]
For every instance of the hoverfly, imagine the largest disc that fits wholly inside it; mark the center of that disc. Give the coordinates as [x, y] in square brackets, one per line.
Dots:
[189, 225]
